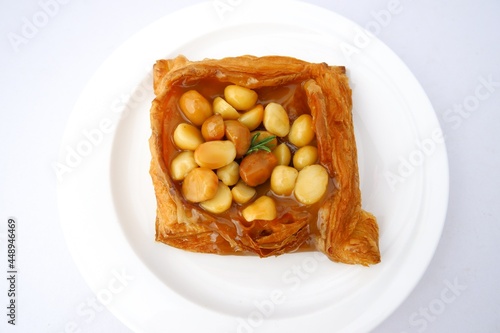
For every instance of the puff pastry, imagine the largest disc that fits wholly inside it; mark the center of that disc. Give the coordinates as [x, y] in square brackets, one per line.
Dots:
[337, 226]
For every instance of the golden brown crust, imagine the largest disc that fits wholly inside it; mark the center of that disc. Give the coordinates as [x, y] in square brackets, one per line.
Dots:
[345, 232]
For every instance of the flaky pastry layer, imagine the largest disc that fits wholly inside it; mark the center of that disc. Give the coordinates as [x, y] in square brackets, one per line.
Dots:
[340, 228]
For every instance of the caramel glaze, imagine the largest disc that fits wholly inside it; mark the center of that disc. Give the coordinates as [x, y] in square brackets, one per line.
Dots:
[296, 224]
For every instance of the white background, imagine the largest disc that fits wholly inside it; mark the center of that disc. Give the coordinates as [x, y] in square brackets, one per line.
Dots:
[450, 46]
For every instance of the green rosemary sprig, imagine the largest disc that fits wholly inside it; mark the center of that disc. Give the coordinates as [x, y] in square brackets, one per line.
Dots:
[261, 145]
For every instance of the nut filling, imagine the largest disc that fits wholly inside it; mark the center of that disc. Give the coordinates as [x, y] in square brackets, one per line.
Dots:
[240, 154]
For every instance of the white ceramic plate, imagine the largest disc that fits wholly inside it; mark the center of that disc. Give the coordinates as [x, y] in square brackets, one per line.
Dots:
[107, 204]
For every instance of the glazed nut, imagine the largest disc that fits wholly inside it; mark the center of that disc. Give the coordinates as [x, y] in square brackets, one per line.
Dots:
[240, 98]
[315, 175]
[276, 120]
[283, 179]
[226, 110]
[263, 208]
[195, 107]
[238, 134]
[182, 164]
[301, 132]
[242, 193]
[283, 154]
[187, 137]
[229, 174]
[253, 117]
[305, 156]
[220, 202]
[215, 154]
[213, 128]
[256, 168]
[200, 185]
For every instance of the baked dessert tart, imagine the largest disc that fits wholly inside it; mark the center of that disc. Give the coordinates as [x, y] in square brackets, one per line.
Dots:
[257, 155]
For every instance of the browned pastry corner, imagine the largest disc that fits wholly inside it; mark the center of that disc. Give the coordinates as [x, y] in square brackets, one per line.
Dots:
[336, 226]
